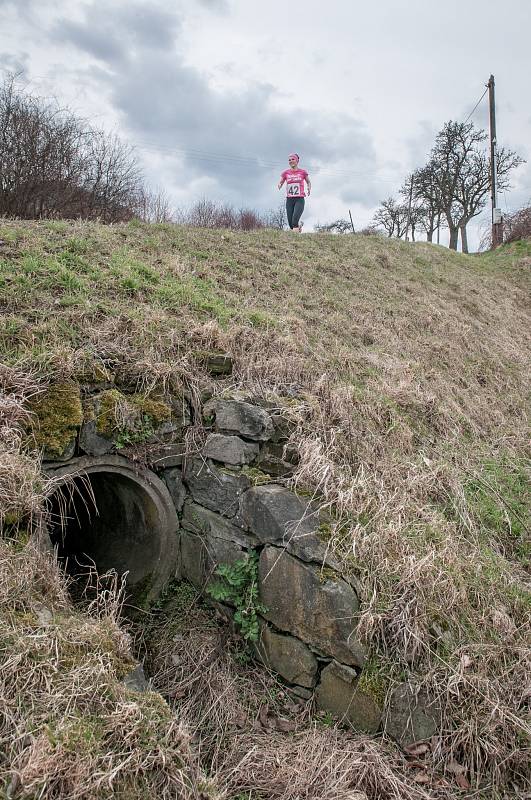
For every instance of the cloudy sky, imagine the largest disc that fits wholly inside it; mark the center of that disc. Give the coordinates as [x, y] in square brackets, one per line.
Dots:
[215, 93]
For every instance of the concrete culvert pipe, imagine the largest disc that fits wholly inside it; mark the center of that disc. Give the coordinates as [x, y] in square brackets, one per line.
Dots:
[108, 512]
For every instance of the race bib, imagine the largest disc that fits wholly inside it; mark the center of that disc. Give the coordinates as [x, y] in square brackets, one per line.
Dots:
[294, 190]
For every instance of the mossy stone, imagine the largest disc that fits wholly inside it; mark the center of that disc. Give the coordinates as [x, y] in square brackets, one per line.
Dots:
[58, 413]
[133, 409]
[340, 692]
[256, 476]
[158, 410]
[214, 362]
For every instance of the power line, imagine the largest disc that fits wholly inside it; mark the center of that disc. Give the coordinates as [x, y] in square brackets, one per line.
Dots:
[244, 161]
[248, 161]
[477, 104]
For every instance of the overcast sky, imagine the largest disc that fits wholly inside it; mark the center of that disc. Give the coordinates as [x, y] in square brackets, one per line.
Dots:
[216, 93]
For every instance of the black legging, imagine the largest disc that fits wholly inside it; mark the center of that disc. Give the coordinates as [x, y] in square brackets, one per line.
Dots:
[294, 209]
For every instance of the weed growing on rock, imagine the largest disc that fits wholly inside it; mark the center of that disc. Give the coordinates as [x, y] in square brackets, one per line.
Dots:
[239, 587]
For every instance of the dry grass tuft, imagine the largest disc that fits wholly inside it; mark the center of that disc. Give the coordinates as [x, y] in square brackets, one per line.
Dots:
[445, 600]
[21, 492]
[69, 727]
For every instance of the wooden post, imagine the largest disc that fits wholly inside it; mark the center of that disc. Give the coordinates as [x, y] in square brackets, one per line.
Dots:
[409, 208]
[497, 224]
[350, 215]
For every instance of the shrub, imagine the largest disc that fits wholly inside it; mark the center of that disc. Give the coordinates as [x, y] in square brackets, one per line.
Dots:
[518, 225]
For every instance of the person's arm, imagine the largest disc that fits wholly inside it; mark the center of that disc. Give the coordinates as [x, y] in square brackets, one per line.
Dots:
[308, 183]
[281, 182]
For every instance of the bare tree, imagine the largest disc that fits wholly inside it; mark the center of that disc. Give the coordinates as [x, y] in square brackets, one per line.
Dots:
[415, 210]
[154, 206]
[207, 213]
[517, 225]
[427, 200]
[52, 164]
[226, 217]
[392, 217]
[40, 170]
[249, 220]
[460, 170]
[202, 214]
[276, 218]
[113, 177]
[340, 226]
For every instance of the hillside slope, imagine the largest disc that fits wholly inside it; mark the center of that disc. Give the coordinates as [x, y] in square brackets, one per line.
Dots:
[405, 370]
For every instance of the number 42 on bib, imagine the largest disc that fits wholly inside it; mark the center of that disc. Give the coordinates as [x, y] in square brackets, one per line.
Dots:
[294, 190]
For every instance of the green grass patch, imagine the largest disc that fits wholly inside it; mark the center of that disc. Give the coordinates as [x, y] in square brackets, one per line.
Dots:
[375, 678]
[499, 498]
[197, 294]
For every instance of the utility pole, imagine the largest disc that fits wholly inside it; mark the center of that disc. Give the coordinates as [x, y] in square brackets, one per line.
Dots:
[497, 223]
[351, 222]
[409, 208]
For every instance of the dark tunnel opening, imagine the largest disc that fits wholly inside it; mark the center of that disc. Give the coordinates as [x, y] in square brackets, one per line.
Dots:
[108, 521]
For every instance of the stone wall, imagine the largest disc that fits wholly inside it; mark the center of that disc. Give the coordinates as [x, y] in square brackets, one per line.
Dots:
[231, 499]
[235, 503]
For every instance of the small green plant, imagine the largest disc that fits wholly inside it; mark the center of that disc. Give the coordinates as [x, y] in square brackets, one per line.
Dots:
[326, 719]
[239, 586]
[143, 431]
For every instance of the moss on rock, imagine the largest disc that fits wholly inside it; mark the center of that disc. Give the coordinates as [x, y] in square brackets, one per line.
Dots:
[157, 410]
[255, 475]
[328, 574]
[57, 416]
[119, 413]
[107, 408]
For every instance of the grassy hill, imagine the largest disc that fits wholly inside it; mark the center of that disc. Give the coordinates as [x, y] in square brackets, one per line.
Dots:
[405, 369]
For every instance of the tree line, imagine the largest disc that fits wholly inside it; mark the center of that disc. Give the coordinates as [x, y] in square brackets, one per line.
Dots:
[53, 164]
[447, 192]
[450, 190]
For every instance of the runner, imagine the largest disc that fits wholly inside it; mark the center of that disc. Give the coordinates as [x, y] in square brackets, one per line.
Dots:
[294, 179]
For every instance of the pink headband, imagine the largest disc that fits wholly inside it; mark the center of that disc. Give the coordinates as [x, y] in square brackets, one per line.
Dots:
[294, 155]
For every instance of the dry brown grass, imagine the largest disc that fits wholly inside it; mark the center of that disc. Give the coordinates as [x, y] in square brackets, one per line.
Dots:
[69, 728]
[21, 495]
[256, 740]
[406, 372]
